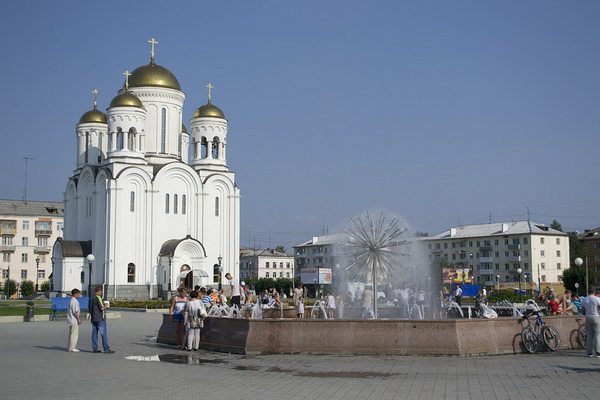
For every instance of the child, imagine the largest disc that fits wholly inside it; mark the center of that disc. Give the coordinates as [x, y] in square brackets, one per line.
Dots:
[300, 308]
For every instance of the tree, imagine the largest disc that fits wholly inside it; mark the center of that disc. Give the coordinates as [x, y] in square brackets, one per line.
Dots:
[280, 249]
[27, 288]
[576, 248]
[556, 225]
[45, 286]
[577, 275]
[12, 287]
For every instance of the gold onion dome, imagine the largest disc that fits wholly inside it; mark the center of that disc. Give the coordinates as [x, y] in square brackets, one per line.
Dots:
[126, 99]
[183, 128]
[209, 110]
[93, 117]
[153, 75]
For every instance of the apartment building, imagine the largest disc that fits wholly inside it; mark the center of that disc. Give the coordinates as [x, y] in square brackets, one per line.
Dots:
[265, 263]
[504, 253]
[28, 230]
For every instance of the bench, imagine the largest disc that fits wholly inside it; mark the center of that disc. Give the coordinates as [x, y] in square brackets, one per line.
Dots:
[59, 304]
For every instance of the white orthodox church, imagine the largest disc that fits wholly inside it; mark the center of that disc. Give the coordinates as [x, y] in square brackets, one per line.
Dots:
[152, 213]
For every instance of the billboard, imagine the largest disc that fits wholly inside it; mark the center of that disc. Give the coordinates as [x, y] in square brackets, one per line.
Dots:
[313, 276]
[453, 274]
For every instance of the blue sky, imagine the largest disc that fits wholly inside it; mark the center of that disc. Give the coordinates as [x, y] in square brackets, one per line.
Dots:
[440, 112]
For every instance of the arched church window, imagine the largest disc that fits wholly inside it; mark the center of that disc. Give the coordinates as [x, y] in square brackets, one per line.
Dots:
[183, 203]
[215, 148]
[216, 206]
[131, 273]
[120, 139]
[87, 146]
[132, 201]
[175, 204]
[179, 144]
[167, 203]
[194, 150]
[82, 277]
[131, 140]
[216, 273]
[203, 148]
[99, 147]
[163, 130]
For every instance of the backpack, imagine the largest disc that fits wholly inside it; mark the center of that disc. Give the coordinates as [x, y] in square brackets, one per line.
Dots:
[196, 318]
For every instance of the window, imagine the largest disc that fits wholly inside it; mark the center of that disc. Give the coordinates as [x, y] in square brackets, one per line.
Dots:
[445, 245]
[470, 244]
[87, 146]
[266, 274]
[543, 265]
[216, 206]
[82, 277]
[42, 241]
[454, 256]
[99, 147]
[280, 265]
[497, 266]
[24, 241]
[497, 254]
[558, 266]
[216, 273]
[542, 253]
[526, 253]
[24, 257]
[7, 240]
[495, 242]
[5, 257]
[541, 240]
[167, 203]
[287, 275]
[543, 278]
[130, 273]
[42, 258]
[267, 265]
[183, 204]
[506, 254]
[163, 130]
[23, 274]
[507, 266]
[557, 240]
[4, 273]
[41, 274]
[557, 253]
[506, 242]
[132, 201]
[437, 246]
[59, 227]
[175, 204]
[478, 243]
[525, 241]
[287, 264]
[25, 225]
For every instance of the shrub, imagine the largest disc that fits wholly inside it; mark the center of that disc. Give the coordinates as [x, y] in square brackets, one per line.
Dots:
[45, 286]
[12, 287]
[27, 288]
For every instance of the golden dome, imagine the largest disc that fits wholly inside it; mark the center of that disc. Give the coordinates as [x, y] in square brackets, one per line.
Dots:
[183, 128]
[126, 99]
[153, 75]
[93, 117]
[209, 110]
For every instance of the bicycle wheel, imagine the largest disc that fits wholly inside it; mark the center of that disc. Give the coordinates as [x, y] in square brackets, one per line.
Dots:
[529, 340]
[551, 337]
[581, 337]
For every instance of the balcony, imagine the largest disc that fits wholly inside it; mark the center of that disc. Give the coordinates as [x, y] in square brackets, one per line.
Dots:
[43, 232]
[485, 259]
[514, 259]
[41, 250]
[7, 248]
[487, 271]
[8, 229]
[486, 248]
[514, 246]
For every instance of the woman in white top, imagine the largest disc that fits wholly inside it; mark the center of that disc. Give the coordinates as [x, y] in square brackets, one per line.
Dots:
[331, 306]
[193, 320]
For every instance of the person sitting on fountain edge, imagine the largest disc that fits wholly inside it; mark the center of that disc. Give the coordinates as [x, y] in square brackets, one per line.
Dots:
[235, 290]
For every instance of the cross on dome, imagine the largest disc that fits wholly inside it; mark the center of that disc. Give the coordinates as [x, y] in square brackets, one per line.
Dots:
[95, 94]
[127, 75]
[153, 43]
[210, 87]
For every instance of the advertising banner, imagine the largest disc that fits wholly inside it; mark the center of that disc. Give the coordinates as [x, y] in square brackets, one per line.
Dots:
[456, 275]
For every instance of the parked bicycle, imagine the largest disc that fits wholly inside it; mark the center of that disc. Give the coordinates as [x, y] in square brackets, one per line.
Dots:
[579, 334]
[537, 333]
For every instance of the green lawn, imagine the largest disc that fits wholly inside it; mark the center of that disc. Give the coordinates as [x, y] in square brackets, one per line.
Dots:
[20, 310]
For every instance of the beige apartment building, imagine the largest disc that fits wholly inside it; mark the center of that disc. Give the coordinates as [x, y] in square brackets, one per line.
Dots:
[266, 263]
[591, 244]
[28, 229]
[495, 253]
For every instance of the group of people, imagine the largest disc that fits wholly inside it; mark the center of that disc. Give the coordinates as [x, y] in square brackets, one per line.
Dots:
[97, 310]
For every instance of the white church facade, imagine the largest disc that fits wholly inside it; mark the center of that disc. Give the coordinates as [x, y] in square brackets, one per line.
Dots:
[155, 205]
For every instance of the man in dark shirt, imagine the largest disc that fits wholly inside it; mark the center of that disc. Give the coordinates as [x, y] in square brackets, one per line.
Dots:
[99, 322]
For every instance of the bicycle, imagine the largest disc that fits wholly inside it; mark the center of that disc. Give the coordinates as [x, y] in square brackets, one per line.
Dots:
[533, 335]
[580, 334]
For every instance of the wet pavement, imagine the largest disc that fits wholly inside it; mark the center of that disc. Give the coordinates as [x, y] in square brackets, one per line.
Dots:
[37, 365]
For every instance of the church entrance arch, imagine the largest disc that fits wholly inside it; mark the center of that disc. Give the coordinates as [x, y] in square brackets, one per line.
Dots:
[184, 261]
[186, 278]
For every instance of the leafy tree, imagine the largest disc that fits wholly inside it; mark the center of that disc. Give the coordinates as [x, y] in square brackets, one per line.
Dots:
[27, 288]
[12, 287]
[421, 234]
[577, 275]
[282, 285]
[280, 249]
[576, 248]
[45, 286]
[556, 225]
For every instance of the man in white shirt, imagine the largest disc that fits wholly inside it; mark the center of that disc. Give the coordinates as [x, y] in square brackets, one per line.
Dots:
[74, 320]
[235, 290]
[592, 323]
[458, 295]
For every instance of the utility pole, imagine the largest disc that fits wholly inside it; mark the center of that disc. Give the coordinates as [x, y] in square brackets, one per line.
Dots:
[25, 191]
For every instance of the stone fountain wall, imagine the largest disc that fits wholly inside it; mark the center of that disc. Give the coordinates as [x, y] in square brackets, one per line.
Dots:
[398, 337]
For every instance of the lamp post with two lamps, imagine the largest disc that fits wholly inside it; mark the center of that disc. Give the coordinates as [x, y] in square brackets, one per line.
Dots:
[579, 263]
[519, 271]
[37, 273]
[498, 280]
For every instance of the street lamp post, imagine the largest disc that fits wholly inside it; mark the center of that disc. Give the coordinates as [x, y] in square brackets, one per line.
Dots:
[37, 273]
[526, 282]
[220, 259]
[52, 259]
[90, 259]
[498, 280]
[7, 283]
[579, 262]
[519, 271]
[169, 293]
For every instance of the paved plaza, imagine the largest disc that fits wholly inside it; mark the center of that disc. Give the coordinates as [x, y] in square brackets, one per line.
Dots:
[36, 365]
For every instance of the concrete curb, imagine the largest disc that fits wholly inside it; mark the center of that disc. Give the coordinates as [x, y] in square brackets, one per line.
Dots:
[46, 318]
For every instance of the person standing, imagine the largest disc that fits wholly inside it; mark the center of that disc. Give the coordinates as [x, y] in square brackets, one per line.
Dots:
[330, 305]
[591, 305]
[458, 295]
[193, 321]
[298, 294]
[98, 318]
[176, 311]
[235, 290]
[74, 320]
